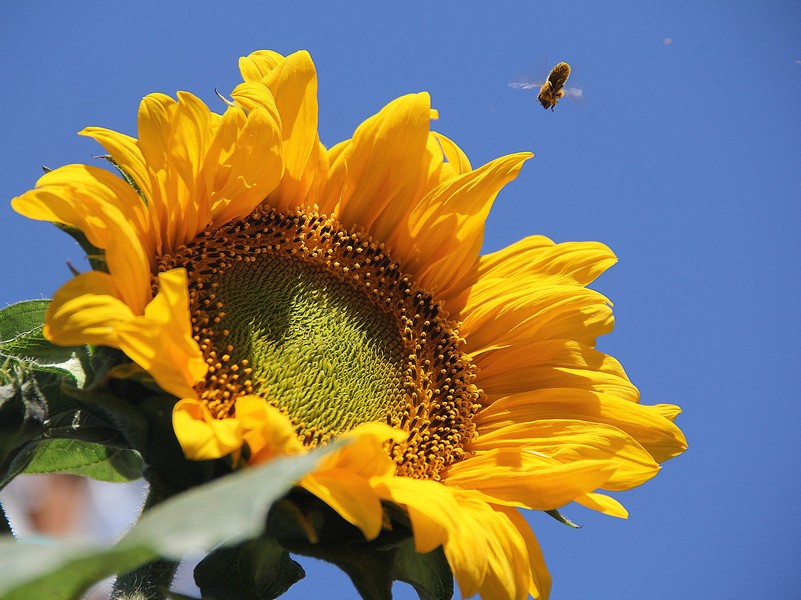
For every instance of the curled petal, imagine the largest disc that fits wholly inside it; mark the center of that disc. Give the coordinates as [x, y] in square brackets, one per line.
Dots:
[161, 342]
[201, 435]
[86, 310]
[267, 431]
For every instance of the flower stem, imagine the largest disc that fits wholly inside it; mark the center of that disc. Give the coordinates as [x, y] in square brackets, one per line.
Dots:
[151, 581]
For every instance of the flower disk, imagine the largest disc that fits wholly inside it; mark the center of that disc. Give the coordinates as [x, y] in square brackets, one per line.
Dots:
[289, 294]
[322, 324]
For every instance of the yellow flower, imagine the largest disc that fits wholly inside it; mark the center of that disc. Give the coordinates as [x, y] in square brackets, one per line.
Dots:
[288, 294]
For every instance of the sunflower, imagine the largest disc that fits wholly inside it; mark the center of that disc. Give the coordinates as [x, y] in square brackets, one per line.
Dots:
[288, 294]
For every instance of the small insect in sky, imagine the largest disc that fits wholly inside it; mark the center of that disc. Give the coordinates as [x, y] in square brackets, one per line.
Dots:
[554, 87]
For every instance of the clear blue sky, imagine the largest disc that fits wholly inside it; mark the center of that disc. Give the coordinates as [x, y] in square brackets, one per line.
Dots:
[683, 157]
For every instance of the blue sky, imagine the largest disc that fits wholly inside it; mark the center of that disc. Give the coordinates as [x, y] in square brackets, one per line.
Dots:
[683, 157]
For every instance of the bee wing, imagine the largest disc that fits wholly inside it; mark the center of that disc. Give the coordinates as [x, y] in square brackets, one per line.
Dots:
[524, 85]
[574, 92]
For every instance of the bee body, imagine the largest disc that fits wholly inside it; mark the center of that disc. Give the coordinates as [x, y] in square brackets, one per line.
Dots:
[553, 89]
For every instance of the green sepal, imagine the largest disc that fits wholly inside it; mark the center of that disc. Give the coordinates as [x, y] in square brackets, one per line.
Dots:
[429, 574]
[124, 174]
[259, 569]
[96, 256]
[562, 519]
[85, 458]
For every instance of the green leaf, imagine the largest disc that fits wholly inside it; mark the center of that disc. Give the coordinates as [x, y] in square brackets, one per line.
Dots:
[21, 338]
[87, 459]
[59, 572]
[229, 510]
[259, 569]
[429, 574]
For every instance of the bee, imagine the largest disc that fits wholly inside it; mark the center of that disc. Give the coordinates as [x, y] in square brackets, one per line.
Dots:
[553, 89]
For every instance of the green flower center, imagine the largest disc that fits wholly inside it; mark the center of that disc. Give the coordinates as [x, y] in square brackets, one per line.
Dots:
[322, 324]
[318, 347]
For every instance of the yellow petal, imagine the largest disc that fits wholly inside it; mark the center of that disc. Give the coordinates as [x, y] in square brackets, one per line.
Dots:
[669, 411]
[267, 431]
[363, 451]
[569, 262]
[161, 342]
[154, 127]
[454, 155]
[540, 577]
[147, 160]
[86, 310]
[189, 140]
[484, 547]
[258, 64]
[551, 363]
[346, 475]
[436, 521]
[291, 84]
[108, 212]
[350, 495]
[573, 440]
[249, 95]
[154, 124]
[125, 151]
[658, 435]
[520, 312]
[391, 226]
[446, 229]
[384, 163]
[244, 163]
[537, 260]
[604, 504]
[527, 479]
[431, 525]
[202, 437]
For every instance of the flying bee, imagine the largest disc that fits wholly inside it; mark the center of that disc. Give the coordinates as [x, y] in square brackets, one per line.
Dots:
[553, 89]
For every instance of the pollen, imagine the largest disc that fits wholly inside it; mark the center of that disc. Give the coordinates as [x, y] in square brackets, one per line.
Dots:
[325, 326]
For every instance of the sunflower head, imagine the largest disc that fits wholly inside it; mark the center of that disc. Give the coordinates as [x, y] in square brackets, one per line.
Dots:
[288, 294]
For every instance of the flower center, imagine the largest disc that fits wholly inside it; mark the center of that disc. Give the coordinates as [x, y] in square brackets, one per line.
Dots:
[322, 324]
